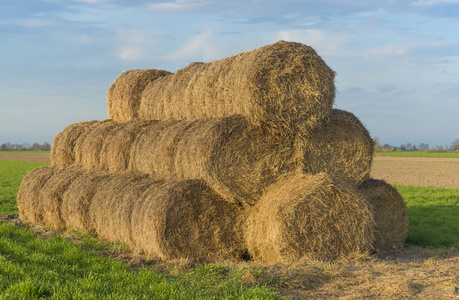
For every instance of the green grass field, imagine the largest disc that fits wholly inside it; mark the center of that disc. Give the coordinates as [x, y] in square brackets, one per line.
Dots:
[433, 215]
[55, 268]
[33, 267]
[418, 154]
[11, 174]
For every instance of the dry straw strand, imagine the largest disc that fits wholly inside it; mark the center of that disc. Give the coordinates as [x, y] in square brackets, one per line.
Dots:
[390, 215]
[309, 216]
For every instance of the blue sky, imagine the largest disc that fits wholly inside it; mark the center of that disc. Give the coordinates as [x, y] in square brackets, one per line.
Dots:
[397, 61]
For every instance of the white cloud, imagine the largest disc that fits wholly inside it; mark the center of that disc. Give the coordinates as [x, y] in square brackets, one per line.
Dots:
[178, 6]
[434, 51]
[390, 50]
[34, 22]
[130, 53]
[93, 1]
[435, 2]
[388, 88]
[325, 42]
[133, 45]
[83, 39]
[198, 47]
[450, 90]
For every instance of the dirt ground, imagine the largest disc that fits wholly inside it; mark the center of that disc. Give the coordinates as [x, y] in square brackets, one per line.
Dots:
[419, 171]
[29, 157]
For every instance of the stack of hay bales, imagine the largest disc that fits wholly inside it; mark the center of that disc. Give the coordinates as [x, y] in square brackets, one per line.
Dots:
[242, 154]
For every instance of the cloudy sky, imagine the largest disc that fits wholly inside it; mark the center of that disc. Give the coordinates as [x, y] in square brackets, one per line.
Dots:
[397, 61]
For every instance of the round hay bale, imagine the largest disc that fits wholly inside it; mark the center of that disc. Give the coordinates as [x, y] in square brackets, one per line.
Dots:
[123, 213]
[28, 200]
[343, 148]
[123, 96]
[76, 201]
[166, 219]
[107, 200]
[309, 215]
[163, 219]
[170, 89]
[62, 150]
[89, 146]
[389, 212]
[51, 196]
[117, 144]
[284, 88]
[186, 219]
[155, 147]
[230, 156]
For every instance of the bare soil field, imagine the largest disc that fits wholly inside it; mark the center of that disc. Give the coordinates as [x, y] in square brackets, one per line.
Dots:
[418, 171]
[29, 157]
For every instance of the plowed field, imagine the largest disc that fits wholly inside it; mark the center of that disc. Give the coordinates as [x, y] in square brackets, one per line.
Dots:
[418, 171]
[24, 156]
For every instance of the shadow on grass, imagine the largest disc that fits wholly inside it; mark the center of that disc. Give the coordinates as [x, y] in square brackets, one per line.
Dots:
[433, 226]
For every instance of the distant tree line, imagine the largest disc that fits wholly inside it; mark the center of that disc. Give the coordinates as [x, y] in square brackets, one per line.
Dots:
[412, 147]
[25, 147]
[455, 145]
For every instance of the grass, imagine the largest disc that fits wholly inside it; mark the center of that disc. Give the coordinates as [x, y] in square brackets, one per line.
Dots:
[56, 268]
[418, 154]
[11, 174]
[32, 267]
[433, 215]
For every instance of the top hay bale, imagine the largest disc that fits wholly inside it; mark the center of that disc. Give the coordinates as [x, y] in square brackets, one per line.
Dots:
[284, 88]
[123, 96]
